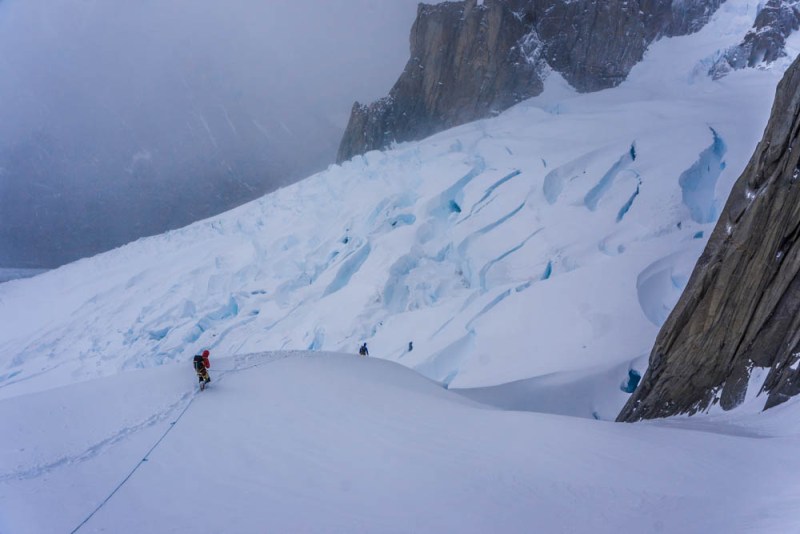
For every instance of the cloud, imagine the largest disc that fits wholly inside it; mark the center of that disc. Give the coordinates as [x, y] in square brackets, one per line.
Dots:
[169, 111]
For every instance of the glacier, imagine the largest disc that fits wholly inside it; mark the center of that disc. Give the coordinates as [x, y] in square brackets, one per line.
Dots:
[467, 235]
[529, 258]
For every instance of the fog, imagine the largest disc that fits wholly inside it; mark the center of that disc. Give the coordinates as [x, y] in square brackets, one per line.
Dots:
[120, 118]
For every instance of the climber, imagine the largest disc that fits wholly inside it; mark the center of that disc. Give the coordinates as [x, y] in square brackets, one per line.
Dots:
[201, 364]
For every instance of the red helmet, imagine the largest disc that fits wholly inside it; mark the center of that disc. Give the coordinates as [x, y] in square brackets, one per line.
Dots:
[205, 354]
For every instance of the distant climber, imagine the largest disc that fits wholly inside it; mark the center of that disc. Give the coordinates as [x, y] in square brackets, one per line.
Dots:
[201, 364]
[363, 350]
[410, 346]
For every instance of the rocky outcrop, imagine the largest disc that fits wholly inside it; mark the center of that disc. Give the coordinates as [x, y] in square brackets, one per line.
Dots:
[740, 308]
[471, 61]
[467, 61]
[594, 45]
[766, 42]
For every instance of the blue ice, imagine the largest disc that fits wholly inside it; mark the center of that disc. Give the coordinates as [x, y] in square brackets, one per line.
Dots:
[632, 383]
[405, 219]
[452, 194]
[158, 335]
[231, 309]
[498, 183]
[495, 301]
[548, 271]
[9, 376]
[556, 179]
[395, 292]
[594, 195]
[464, 245]
[490, 264]
[350, 267]
[319, 339]
[379, 209]
[700, 180]
[489, 227]
[523, 287]
[627, 206]
[553, 185]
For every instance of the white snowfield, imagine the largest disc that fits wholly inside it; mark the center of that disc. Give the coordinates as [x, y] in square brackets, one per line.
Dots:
[320, 442]
[529, 260]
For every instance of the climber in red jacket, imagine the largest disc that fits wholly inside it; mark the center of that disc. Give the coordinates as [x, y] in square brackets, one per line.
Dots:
[201, 363]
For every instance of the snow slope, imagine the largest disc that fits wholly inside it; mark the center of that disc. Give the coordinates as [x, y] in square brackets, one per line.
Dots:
[530, 259]
[552, 239]
[317, 442]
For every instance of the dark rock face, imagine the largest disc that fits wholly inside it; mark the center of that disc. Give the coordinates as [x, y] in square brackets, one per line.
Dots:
[471, 61]
[765, 43]
[682, 18]
[594, 45]
[467, 61]
[740, 308]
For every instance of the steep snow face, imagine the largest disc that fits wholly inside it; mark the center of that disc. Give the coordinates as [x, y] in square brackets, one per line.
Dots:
[551, 239]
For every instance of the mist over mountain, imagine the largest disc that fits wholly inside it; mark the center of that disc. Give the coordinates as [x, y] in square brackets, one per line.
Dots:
[511, 275]
[121, 120]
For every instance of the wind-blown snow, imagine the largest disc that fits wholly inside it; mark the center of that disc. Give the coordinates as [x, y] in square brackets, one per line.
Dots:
[529, 258]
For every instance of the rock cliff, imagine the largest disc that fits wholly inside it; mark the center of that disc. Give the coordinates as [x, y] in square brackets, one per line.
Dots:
[467, 61]
[766, 42]
[471, 61]
[740, 308]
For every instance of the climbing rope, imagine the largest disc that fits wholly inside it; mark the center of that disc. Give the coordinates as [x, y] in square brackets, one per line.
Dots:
[137, 466]
[145, 458]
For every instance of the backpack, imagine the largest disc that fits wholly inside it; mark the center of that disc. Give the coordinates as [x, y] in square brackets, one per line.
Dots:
[199, 365]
